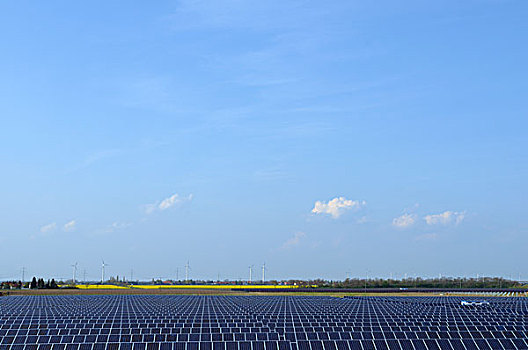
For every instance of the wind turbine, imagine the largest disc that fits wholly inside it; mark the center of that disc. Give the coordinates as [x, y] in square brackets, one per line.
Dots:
[74, 271]
[102, 271]
[250, 272]
[263, 272]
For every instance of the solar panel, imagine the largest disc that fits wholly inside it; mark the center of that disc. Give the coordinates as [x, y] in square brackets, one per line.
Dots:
[129, 322]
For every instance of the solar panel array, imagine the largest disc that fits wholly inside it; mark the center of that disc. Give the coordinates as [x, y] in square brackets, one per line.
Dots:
[131, 322]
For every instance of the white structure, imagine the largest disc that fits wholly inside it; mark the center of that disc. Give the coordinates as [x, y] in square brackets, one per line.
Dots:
[103, 271]
[74, 271]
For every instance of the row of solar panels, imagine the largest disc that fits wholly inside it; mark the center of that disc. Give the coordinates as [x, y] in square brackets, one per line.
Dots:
[326, 315]
[431, 344]
[349, 330]
[323, 317]
[20, 339]
[276, 319]
[299, 335]
[135, 330]
[317, 326]
[238, 301]
[198, 328]
[252, 336]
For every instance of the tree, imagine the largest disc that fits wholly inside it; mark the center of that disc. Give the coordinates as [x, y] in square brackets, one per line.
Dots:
[33, 283]
[53, 284]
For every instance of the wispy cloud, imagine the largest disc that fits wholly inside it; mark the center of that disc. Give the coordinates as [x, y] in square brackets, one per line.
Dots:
[362, 220]
[48, 228]
[427, 237]
[52, 227]
[95, 157]
[293, 241]
[113, 227]
[445, 218]
[404, 221]
[337, 206]
[173, 200]
[69, 226]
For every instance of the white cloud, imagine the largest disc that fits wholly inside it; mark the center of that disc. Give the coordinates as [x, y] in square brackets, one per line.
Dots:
[337, 206]
[427, 237]
[48, 227]
[172, 200]
[445, 218]
[150, 208]
[293, 241]
[167, 203]
[69, 226]
[404, 221]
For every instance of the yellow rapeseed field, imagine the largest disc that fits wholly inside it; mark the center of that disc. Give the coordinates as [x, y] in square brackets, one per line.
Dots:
[184, 286]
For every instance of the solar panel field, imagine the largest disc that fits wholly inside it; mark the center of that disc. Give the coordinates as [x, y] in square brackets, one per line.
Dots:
[159, 322]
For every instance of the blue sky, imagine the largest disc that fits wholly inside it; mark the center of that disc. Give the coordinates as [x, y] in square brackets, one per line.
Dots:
[323, 138]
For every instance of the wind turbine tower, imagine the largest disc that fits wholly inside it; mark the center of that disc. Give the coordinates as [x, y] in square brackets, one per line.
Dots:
[263, 272]
[74, 271]
[250, 272]
[102, 271]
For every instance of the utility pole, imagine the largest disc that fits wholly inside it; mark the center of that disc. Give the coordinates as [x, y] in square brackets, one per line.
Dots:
[366, 278]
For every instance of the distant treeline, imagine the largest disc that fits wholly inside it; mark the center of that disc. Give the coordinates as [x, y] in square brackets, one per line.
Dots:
[357, 283]
[34, 284]
[444, 282]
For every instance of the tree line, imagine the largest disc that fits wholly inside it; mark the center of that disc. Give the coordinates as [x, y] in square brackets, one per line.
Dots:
[443, 282]
[34, 284]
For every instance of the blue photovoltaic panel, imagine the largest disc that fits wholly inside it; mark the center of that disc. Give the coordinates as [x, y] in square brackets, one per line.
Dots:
[126, 322]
